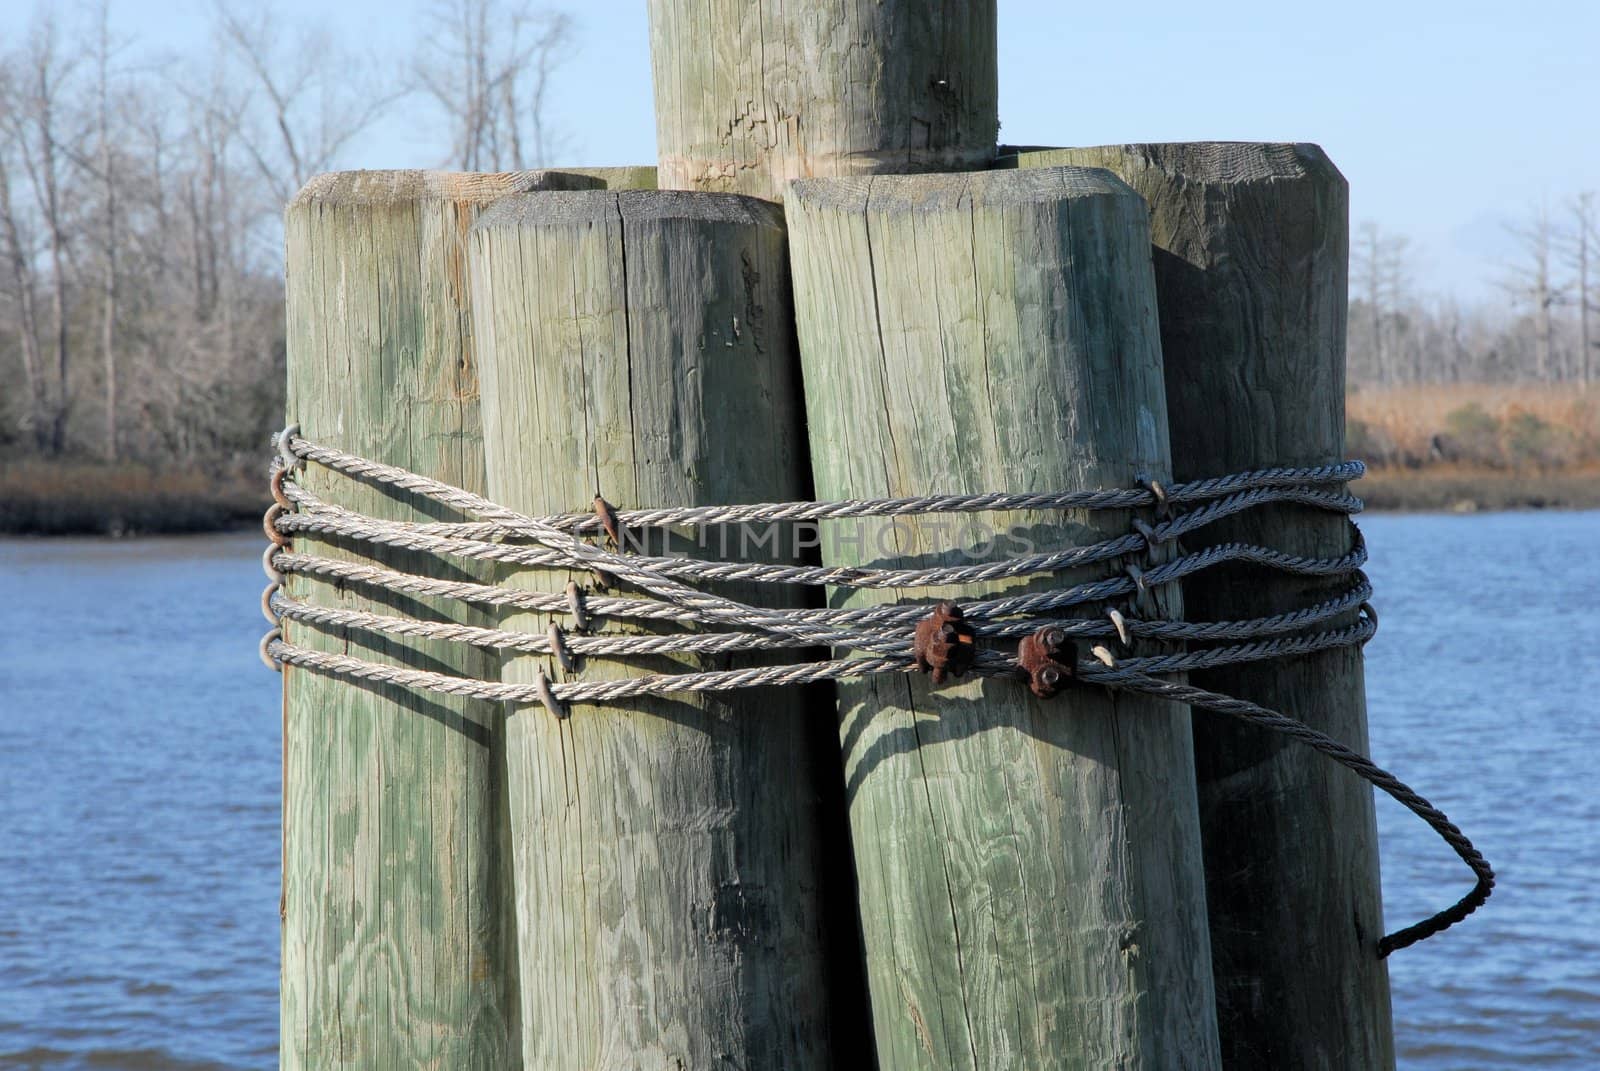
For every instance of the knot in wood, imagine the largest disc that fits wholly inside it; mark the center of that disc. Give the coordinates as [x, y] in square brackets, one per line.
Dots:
[943, 643]
[1047, 658]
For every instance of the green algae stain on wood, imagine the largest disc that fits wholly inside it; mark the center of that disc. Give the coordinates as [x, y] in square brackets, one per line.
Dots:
[397, 946]
[1030, 876]
[639, 344]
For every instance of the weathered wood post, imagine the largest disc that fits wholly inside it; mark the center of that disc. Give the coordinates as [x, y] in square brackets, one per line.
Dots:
[631, 177]
[751, 95]
[641, 345]
[1251, 255]
[1030, 877]
[396, 923]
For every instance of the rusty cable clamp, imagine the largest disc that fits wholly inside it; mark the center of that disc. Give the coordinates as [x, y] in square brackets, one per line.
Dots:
[943, 643]
[1048, 659]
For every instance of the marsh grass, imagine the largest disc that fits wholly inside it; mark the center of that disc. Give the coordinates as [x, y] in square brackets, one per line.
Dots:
[1528, 428]
[92, 498]
[1477, 446]
[1468, 490]
[1453, 447]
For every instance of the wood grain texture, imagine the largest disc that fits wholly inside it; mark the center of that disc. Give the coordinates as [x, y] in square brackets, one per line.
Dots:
[396, 926]
[751, 95]
[640, 344]
[1030, 877]
[1251, 261]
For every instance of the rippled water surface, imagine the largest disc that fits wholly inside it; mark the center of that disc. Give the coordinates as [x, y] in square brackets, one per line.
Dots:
[1483, 689]
[139, 793]
[139, 779]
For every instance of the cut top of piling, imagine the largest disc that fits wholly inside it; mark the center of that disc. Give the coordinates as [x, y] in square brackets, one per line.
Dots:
[750, 95]
[914, 193]
[629, 206]
[386, 187]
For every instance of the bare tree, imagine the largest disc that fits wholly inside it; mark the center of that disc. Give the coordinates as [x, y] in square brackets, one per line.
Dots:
[20, 270]
[1379, 270]
[1408, 359]
[1581, 244]
[1367, 277]
[1531, 283]
[107, 175]
[139, 221]
[316, 100]
[488, 68]
[36, 127]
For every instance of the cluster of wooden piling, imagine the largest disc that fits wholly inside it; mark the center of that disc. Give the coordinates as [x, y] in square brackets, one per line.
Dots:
[668, 882]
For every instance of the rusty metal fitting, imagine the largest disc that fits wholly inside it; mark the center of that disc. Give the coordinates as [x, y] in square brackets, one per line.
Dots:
[608, 520]
[266, 602]
[580, 617]
[275, 482]
[559, 648]
[1120, 623]
[943, 643]
[274, 574]
[265, 650]
[1153, 540]
[269, 525]
[541, 685]
[1154, 486]
[282, 440]
[1048, 660]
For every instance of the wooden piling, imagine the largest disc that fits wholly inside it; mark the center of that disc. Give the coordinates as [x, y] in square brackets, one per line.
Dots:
[751, 95]
[1030, 875]
[1251, 254]
[396, 923]
[640, 344]
[630, 177]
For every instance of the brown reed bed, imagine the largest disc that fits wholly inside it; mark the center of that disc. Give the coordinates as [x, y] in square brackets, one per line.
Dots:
[1477, 446]
[1462, 447]
[82, 497]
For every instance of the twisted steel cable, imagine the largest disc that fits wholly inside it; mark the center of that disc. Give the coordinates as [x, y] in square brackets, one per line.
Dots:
[861, 641]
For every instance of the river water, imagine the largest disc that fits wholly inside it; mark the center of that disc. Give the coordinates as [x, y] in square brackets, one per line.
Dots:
[139, 777]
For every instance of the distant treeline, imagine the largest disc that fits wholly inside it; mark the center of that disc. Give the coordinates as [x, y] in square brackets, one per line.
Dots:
[141, 277]
[1544, 328]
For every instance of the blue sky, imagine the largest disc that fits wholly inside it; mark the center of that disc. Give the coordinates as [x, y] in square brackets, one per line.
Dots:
[1449, 119]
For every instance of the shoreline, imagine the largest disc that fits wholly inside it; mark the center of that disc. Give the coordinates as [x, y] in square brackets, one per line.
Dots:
[85, 498]
[89, 500]
[1443, 489]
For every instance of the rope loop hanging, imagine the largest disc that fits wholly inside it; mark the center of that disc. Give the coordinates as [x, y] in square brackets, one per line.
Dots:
[1028, 636]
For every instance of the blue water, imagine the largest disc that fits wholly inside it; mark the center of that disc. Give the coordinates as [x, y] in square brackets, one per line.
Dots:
[1483, 688]
[139, 777]
[139, 774]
